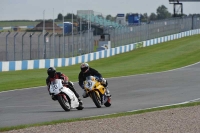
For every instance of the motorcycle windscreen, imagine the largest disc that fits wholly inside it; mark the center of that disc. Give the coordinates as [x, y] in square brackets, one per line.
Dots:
[55, 86]
[90, 82]
[89, 78]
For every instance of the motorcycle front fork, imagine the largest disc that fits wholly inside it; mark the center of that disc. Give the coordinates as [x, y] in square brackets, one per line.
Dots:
[103, 99]
[64, 96]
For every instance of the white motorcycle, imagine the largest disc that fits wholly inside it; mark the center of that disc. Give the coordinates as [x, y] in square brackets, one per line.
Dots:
[64, 95]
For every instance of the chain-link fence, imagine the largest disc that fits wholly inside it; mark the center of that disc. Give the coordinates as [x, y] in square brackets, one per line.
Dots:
[36, 45]
[136, 33]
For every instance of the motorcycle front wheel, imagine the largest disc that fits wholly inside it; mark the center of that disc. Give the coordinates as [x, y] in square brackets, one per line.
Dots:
[96, 99]
[63, 103]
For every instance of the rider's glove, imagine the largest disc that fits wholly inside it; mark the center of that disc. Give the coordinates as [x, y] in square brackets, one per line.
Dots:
[99, 79]
[64, 82]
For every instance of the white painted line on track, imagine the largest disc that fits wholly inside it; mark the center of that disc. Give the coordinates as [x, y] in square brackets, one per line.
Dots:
[194, 100]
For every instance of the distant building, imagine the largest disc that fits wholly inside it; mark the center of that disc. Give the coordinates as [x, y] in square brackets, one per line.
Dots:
[134, 19]
[121, 19]
[48, 27]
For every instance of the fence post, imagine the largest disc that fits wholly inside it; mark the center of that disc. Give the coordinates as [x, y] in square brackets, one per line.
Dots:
[68, 50]
[114, 37]
[31, 44]
[193, 21]
[7, 46]
[50, 44]
[39, 45]
[45, 45]
[64, 45]
[59, 44]
[81, 44]
[14, 44]
[147, 31]
[23, 45]
[54, 42]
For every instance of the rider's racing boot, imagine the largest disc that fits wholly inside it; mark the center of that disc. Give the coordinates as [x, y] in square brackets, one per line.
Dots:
[80, 101]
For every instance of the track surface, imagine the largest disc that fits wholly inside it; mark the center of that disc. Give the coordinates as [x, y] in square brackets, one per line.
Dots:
[128, 93]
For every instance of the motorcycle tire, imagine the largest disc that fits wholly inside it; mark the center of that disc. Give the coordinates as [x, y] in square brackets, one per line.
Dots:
[63, 104]
[107, 104]
[95, 99]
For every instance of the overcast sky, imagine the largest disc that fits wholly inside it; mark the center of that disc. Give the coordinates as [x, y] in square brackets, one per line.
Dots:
[33, 9]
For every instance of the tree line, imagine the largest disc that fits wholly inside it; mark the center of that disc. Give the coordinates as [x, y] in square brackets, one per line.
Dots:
[161, 13]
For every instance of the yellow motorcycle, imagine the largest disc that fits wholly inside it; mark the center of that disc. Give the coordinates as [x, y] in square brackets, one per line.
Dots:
[96, 91]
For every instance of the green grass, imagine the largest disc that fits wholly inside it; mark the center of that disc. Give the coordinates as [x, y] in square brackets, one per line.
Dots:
[159, 57]
[22, 23]
[17, 23]
[100, 117]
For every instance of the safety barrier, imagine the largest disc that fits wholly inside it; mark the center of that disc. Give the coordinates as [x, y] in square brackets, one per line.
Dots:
[171, 37]
[60, 62]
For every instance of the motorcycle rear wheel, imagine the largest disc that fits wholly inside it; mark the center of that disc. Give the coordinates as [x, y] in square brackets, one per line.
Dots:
[95, 99]
[63, 103]
[107, 104]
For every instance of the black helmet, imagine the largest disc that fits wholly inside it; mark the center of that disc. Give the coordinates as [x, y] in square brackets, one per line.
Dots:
[51, 71]
[84, 67]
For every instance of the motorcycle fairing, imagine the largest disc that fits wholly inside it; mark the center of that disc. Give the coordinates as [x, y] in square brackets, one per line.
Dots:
[72, 96]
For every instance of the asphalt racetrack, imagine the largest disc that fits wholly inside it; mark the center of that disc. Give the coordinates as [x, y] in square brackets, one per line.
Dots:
[128, 93]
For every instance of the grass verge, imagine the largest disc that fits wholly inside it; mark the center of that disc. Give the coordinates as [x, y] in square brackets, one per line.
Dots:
[100, 117]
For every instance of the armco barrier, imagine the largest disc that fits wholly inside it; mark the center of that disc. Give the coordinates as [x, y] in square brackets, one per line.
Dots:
[60, 62]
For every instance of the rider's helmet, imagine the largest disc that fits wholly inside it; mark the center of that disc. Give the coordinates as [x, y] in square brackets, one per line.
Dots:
[51, 71]
[84, 67]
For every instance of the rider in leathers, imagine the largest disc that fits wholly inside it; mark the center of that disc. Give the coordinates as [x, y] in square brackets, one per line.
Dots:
[52, 74]
[88, 71]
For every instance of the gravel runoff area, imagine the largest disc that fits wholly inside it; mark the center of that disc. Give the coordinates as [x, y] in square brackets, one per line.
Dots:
[178, 120]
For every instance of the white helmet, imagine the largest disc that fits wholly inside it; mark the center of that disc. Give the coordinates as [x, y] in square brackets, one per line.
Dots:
[84, 67]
